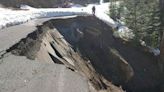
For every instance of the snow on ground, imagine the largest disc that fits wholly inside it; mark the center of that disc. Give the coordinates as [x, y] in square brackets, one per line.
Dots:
[13, 17]
[10, 17]
[26, 7]
[102, 13]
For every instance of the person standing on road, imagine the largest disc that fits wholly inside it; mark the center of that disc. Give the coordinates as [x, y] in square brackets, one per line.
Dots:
[93, 10]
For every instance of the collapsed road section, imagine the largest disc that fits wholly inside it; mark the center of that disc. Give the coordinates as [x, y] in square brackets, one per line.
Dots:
[75, 54]
[38, 58]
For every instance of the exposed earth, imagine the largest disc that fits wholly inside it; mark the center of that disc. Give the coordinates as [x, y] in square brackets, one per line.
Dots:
[78, 54]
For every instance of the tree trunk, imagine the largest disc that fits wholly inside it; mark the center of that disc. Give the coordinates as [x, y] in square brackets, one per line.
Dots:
[161, 64]
[162, 33]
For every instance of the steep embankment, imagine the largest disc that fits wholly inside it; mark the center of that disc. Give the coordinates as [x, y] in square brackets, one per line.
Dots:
[86, 46]
[122, 63]
[94, 41]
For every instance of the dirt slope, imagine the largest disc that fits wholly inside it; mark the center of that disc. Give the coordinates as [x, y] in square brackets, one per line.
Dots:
[122, 63]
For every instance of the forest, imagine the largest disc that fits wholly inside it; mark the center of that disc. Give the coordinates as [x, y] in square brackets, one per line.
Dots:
[144, 17]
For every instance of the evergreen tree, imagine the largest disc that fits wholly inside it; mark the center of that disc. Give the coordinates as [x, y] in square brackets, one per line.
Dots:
[153, 30]
[113, 9]
[161, 64]
[142, 16]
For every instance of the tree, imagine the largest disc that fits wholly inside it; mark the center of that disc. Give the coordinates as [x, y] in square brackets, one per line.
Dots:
[115, 9]
[153, 25]
[142, 16]
[162, 34]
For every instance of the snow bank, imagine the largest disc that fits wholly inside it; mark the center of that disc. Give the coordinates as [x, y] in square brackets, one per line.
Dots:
[13, 17]
[102, 13]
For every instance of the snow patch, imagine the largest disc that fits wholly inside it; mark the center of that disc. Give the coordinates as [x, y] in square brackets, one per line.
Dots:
[155, 51]
[125, 33]
[26, 7]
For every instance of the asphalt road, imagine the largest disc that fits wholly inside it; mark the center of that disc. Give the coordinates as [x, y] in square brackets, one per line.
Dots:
[18, 74]
[11, 35]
